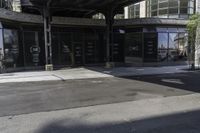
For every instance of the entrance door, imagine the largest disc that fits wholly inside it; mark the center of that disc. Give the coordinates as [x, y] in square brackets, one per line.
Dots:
[78, 53]
[90, 52]
[34, 52]
[61, 49]
[150, 47]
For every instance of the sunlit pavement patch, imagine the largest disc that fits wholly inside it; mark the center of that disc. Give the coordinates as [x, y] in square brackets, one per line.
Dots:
[174, 81]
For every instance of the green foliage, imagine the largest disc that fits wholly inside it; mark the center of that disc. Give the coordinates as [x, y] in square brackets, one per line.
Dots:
[192, 25]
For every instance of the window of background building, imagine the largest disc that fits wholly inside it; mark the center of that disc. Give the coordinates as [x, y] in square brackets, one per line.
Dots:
[170, 8]
[119, 16]
[98, 16]
[14, 5]
[2, 4]
[134, 11]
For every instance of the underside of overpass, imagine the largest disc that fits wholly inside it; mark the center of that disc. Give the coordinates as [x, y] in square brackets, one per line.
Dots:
[77, 8]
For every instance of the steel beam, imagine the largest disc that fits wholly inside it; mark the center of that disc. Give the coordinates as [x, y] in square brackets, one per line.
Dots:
[47, 37]
[109, 16]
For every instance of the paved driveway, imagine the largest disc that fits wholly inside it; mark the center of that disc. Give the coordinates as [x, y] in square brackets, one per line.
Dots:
[22, 98]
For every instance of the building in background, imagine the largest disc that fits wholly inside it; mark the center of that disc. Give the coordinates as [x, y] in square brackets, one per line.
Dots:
[151, 32]
[14, 5]
[198, 6]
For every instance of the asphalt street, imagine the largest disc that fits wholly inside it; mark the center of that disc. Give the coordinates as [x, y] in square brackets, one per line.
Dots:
[25, 98]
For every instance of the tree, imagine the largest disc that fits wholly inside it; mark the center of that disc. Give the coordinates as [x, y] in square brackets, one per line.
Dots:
[192, 32]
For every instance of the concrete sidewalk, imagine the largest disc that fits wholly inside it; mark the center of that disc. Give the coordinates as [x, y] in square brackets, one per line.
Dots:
[179, 114]
[86, 73]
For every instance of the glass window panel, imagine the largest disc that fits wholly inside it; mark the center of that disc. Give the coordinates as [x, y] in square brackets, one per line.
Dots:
[154, 7]
[172, 29]
[154, 13]
[163, 5]
[184, 3]
[154, 2]
[173, 10]
[163, 11]
[182, 46]
[173, 47]
[134, 45]
[191, 3]
[190, 10]
[173, 3]
[161, 29]
[134, 11]
[162, 46]
[182, 30]
[11, 47]
[184, 11]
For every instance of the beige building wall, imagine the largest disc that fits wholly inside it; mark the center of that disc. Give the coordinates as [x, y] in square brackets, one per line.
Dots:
[126, 12]
[143, 9]
[16, 4]
[198, 6]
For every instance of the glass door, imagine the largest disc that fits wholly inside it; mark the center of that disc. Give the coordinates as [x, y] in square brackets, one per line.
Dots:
[34, 52]
[78, 53]
[90, 48]
[150, 47]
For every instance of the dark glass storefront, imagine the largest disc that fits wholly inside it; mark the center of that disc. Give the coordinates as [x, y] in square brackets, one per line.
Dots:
[23, 46]
[172, 44]
[73, 46]
[141, 45]
[77, 47]
[156, 45]
[33, 48]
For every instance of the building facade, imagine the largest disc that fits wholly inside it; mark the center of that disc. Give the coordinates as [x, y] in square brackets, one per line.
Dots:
[149, 32]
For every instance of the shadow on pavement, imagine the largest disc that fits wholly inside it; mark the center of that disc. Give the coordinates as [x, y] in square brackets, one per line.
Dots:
[188, 122]
[183, 81]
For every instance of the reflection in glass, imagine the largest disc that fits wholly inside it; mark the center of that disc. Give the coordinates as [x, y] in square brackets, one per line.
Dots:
[183, 46]
[134, 45]
[173, 47]
[11, 47]
[162, 46]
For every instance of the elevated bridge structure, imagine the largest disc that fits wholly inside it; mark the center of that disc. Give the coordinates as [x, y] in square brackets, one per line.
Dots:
[77, 8]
